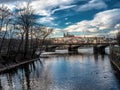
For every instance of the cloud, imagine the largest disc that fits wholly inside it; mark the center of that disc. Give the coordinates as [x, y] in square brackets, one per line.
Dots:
[92, 4]
[9, 1]
[113, 32]
[43, 7]
[46, 19]
[68, 23]
[107, 21]
[47, 7]
[103, 22]
[62, 8]
[49, 21]
[12, 4]
[108, 18]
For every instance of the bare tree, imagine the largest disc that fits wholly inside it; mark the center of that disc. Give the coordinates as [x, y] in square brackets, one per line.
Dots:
[31, 34]
[21, 41]
[41, 33]
[5, 15]
[25, 20]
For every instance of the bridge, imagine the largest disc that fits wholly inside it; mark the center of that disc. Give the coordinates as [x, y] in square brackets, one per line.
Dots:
[73, 43]
[98, 47]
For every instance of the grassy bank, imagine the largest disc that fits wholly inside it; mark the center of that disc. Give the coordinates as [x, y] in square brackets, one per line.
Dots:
[12, 66]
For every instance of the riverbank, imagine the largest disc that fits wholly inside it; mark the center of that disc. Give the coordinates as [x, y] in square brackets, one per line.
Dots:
[116, 65]
[6, 68]
[115, 56]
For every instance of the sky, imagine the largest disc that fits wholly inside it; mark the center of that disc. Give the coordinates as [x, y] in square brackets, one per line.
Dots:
[78, 17]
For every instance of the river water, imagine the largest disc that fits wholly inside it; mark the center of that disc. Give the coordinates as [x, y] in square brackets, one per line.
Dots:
[83, 71]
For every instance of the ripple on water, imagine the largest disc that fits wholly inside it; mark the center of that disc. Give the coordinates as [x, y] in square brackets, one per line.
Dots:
[71, 72]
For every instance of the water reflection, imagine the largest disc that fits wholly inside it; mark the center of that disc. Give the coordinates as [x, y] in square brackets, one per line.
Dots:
[96, 57]
[0, 85]
[71, 72]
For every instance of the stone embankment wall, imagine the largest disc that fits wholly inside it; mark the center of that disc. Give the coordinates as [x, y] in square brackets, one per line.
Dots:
[115, 56]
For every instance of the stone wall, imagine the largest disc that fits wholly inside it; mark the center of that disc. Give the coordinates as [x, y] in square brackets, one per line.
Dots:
[115, 56]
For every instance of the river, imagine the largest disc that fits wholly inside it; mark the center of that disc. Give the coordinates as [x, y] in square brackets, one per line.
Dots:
[83, 71]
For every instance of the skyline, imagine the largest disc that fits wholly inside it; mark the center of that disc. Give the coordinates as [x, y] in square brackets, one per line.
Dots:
[89, 17]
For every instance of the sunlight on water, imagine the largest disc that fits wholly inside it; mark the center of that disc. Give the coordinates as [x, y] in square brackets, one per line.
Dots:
[66, 72]
[85, 50]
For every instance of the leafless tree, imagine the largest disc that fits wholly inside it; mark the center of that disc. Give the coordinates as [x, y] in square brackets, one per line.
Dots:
[31, 34]
[41, 33]
[5, 15]
[25, 20]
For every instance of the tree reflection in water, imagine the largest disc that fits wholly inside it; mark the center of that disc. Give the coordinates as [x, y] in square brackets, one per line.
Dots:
[71, 72]
[0, 85]
[26, 76]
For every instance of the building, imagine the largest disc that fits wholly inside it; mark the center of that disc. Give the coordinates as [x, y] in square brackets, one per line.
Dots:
[68, 35]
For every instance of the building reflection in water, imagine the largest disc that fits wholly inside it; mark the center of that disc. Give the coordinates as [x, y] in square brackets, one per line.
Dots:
[103, 57]
[96, 57]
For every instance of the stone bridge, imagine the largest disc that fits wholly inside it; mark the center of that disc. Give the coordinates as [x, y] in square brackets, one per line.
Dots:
[73, 47]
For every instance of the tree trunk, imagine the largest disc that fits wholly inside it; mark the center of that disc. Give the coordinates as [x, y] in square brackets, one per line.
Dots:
[18, 50]
[26, 43]
[3, 39]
